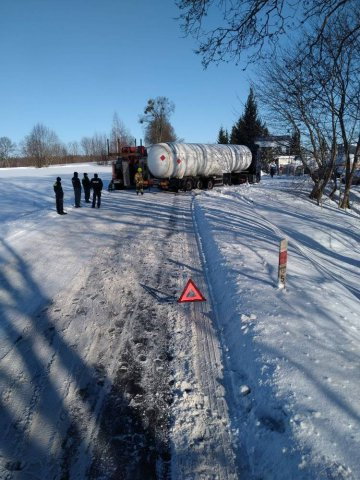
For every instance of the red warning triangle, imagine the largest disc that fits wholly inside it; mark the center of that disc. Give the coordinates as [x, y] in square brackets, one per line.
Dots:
[191, 293]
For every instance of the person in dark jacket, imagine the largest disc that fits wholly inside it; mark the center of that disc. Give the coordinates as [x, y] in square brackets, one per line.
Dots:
[96, 185]
[77, 189]
[272, 169]
[86, 186]
[59, 197]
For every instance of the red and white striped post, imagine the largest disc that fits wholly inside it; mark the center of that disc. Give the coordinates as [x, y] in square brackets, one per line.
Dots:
[282, 262]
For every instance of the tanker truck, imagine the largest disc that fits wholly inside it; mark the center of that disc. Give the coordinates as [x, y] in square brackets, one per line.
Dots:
[184, 166]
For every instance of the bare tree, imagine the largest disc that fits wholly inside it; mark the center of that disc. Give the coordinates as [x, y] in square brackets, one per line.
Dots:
[251, 26]
[42, 146]
[73, 149]
[86, 145]
[318, 99]
[7, 148]
[95, 147]
[345, 72]
[72, 152]
[157, 121]
[120, 136]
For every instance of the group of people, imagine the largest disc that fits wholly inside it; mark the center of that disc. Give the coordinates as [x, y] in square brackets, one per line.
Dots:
[95, 184]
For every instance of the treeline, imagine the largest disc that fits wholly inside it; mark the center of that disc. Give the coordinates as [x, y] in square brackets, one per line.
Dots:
[14, 162]
[42, 146]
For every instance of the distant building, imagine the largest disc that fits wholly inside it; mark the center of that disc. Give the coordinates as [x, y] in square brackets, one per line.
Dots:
[279, 143]
[341, 158]
[274, 148]
[277, 148]
[282, 160]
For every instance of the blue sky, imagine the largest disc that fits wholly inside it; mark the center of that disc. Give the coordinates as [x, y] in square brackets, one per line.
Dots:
[70, 64]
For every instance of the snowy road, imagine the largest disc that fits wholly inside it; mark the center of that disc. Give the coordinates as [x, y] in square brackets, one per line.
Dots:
[105, 376]
[97, 350]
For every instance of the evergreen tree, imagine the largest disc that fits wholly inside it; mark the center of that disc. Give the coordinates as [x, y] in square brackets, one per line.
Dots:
[295, 144]
[249, 126]
[223, 136]
[233, 135]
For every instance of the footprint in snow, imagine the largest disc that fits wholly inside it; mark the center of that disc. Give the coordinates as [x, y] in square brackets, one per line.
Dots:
[15, 466]
[273, 424]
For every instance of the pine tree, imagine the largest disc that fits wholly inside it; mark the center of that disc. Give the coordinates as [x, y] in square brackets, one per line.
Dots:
[295, 148]
[249, 126]
[223, 136]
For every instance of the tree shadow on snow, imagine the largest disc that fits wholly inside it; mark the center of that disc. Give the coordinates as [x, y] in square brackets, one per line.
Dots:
[160, 296]
[43, 433]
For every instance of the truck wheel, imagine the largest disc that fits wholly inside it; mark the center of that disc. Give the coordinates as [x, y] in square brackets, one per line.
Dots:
[210, 184]
[199, 184]
[188, 185]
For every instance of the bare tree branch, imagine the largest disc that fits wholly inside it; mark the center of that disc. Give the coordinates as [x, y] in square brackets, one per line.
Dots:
[248, 28]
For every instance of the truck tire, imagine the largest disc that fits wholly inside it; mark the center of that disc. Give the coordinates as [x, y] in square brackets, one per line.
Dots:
[188, 185]
[199, 184]
[210, 184]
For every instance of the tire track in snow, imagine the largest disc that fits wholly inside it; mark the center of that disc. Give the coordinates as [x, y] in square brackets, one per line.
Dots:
[93, 387]
[93, 453]
[211, 455]
[134, 429]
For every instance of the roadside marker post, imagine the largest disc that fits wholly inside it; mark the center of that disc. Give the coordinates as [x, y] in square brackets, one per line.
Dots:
[282, 263]
[191, 293]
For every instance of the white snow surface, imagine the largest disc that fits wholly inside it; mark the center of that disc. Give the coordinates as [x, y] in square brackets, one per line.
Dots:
[266, 381]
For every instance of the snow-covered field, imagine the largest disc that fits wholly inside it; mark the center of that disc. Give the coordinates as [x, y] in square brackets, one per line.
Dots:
[105, 376]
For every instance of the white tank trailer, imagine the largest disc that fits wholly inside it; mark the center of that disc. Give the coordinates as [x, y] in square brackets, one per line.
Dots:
[184, 166]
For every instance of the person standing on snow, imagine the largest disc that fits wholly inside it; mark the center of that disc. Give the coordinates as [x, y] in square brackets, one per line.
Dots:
[139, 181]
[77, 189]
[97, 185]
[272, 169]
[86, 186]
[59, 197]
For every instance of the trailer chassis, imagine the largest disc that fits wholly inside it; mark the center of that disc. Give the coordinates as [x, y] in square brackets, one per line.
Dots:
[187, 184]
